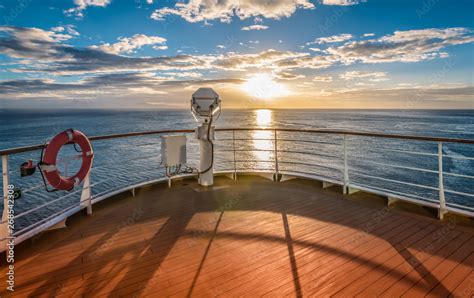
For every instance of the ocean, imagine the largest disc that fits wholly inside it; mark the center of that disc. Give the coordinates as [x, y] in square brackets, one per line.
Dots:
[128, 161]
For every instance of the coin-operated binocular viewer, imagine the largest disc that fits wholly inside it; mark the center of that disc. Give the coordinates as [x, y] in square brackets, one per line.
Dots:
[206, 109]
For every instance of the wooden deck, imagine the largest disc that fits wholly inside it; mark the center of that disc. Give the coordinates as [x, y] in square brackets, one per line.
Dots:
[247, 238]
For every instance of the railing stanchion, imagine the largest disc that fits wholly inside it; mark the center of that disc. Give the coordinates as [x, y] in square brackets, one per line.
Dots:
[277, 170]
[235, 162]
[442, 197]
[346, 168]
[86, 197]
[6, 182]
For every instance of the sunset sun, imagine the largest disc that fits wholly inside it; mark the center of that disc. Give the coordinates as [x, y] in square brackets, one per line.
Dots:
[263, 86]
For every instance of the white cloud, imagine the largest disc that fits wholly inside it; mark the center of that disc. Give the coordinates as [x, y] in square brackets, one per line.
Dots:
[70, 29]
[376, 76]
[325, 79]
[184, 74]
[331, 39]
[58, 29]
[255, 27]
[160, 48]
[128, 45]
[224, 11]
[341, 2]
[271, 59]
[403, 46]
[285, 75]
[149, 1]
[81, 5]
[219, 46]
[368, 35]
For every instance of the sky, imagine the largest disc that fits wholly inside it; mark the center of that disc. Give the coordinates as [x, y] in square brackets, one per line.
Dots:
[153, 54]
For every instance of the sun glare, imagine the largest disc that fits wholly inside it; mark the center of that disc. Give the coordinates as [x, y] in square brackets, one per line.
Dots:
[263, 86]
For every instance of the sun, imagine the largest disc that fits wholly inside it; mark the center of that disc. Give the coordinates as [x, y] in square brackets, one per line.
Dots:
[263, 86]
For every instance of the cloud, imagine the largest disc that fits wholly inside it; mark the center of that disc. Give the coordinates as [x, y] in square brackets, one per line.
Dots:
[30, 42]
[128, 45]
[368, 35]
[331, 39]
[399, 97]
[209, 10]
[288, 76]
[183, 74]
[81, 5]
[51, 55]
[70, 29]
[372, 76]
[269, 59]
[403, 46]
[160, 48]
[111, 84]
[340, 2]
[325, 79]
[254, 27]
[45, 52]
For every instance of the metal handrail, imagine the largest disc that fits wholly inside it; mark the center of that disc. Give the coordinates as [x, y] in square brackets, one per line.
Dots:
[315, 131]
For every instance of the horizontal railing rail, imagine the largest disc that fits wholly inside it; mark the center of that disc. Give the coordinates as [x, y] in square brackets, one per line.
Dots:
[290, 152]
[334, 132]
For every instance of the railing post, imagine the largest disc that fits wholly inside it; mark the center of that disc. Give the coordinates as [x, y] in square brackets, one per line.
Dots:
[86, 197]
[442, 197]
[235, 160]
[277, 170]
[346, 168]
[6, 181]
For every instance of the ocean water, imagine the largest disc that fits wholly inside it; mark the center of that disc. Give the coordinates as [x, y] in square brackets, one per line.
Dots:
[127, 161]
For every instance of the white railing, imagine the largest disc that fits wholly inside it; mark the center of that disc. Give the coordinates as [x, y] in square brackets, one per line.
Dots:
[328, 156]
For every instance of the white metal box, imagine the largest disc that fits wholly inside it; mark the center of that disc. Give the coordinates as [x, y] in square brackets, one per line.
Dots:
[173, 150]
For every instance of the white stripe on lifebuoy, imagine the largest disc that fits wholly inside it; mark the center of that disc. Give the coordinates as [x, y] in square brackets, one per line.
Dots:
[76, 181]
[89, 153]
[48, 168]
[69, 135]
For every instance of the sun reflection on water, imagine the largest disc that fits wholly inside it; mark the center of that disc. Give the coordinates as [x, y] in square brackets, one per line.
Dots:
[263, 140]
[264, 118]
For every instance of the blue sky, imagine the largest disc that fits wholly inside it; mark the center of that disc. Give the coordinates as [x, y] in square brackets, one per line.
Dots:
[280, 54]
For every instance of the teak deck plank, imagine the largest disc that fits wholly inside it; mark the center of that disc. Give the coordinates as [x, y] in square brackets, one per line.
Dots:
[246, 238]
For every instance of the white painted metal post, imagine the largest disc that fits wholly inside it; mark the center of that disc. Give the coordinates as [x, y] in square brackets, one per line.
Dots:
[442, 197]
[346, 168]
[6, 181]
[206, 179]
[275, 141]
[235, 161]
[86, 197]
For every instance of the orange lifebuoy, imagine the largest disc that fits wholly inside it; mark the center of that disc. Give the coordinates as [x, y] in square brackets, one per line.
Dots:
[48, 163]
